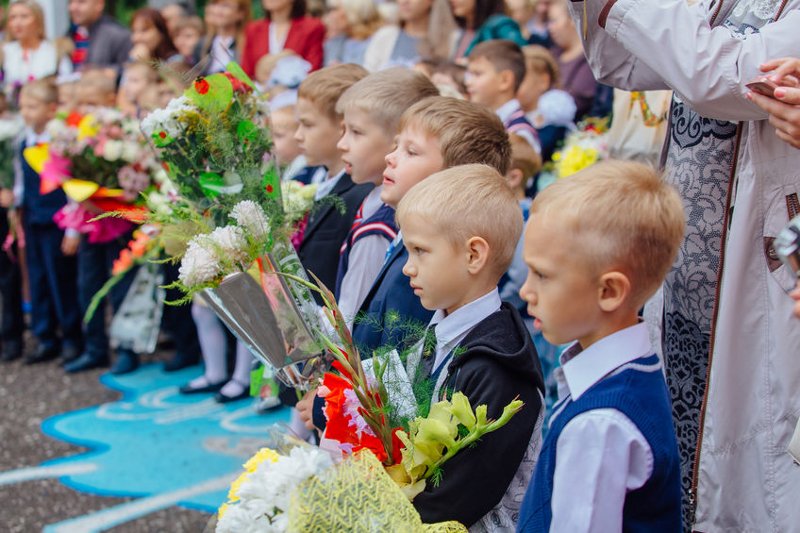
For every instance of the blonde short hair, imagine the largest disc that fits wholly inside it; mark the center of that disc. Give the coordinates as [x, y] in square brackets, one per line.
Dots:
[324, 87]
[44, 90]
[467, 132]
[98, 81]
[626, 217]
[468, 201]
[539, 61]
[523, 156]
[385, 95]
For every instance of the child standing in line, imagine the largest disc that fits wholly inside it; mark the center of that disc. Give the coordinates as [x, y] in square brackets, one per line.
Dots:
[494, 74]
[371, 109]
[460, 227]
[318, 133]
[52, 268]
[96, 90]
[598, 244]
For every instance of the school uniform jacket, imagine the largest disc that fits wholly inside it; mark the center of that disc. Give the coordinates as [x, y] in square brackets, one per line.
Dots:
[328, 228]
[305, 37]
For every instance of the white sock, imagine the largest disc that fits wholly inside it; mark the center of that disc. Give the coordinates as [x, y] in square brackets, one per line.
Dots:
[241, 372]
[211, 334]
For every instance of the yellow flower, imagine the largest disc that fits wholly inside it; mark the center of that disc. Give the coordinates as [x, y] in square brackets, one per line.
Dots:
[462, 410]
[88, 127]
[222, 509]
[233, 494]
[264, 454]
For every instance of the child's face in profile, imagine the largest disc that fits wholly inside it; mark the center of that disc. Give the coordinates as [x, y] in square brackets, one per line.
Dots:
[317, 135]
[484, 83]
[561, 292]
[136, 80]
[437, 268]
[364, 145]
[416, 156]
[35, 112]
[186, 40]
[283, 127]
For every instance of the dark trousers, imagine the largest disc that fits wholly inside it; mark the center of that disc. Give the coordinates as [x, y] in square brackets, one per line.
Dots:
[12, 323]
[53, 286]
[95, 261]
[177, 319]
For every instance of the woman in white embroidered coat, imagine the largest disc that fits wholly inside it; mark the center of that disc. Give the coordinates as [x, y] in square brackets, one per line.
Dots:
[725, 305]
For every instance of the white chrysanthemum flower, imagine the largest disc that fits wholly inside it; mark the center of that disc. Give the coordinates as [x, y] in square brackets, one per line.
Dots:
[200, 263]
[167, 118]
[131, 151]
[230, 243]
[252, 218]
[112, 150]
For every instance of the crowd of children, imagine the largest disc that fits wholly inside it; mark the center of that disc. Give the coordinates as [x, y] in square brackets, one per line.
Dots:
[429, 226]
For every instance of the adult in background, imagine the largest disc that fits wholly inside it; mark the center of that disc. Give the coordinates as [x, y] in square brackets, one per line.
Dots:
[99, 40]
[426, 30]
[150, 38]
[729, 348]
[28, 55]
[285, 26]
[225, 22]
[482, 20]
[353, 22]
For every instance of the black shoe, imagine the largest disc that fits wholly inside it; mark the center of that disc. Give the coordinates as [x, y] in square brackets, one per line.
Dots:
[86, 361]
[127, 361]
[11, 350]
[69, 353]
[224, 398]
[211, 387]
[180, 361]
[44, 352]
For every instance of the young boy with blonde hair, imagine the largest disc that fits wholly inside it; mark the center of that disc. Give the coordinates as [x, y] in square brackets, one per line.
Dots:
[460, 227]
[371, 109]
[495, 71]
[598, 244]
[319, 129]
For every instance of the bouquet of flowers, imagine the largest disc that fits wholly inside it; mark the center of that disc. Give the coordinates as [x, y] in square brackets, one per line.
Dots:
[582, 148]
[213, 148]
[305, 490]
[101, 162]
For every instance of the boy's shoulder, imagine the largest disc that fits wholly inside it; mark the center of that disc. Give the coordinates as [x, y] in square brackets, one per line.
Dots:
[499, 345]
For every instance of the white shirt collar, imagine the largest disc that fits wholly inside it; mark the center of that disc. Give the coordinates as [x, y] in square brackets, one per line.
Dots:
[32, 138]
[372, 202]
[507, 109]
[584, 368]
[325, 188]
[451, 329]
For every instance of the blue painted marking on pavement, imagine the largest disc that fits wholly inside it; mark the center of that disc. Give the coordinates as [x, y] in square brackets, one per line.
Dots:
[156, 441]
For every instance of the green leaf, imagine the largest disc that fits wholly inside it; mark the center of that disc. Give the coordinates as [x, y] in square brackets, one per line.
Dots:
[237, 72]
[211, 183]
[256, 379]
[212, 93]
[246, 131]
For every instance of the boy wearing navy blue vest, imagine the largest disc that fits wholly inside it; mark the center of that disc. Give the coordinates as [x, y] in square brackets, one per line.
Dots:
[372, 109]
[598, 245]
[319, 129]
[495, 71]
[460, 228]
[52, 267]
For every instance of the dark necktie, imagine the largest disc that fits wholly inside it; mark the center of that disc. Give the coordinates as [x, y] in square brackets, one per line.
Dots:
[428, 352]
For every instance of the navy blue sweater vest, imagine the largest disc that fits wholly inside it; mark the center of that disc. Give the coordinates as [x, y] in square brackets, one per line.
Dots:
[39, 208]
[380, 223]
[639, 391]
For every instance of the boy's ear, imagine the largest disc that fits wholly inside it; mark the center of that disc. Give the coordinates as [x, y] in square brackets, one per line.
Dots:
[507, 80]
[614, 291]
[514, 178]
[477, 254]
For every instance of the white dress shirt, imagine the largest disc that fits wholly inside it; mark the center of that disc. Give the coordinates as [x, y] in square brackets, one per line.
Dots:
[451, 330]
[364, 264]
[601, 454]
[325, 187]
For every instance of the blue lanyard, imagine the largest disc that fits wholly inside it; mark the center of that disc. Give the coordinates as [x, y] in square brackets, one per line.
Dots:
[438, 370]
